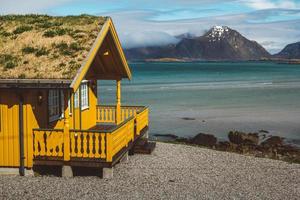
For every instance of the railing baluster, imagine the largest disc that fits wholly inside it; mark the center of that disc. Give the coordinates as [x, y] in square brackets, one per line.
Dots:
[42, 144]
[73, 153]
[53, 145]
[85, 145]
[60, 150]
[79, 141]
[91, 145]
[97, 145]
[36, 144]
[110, 114]
[103, 149]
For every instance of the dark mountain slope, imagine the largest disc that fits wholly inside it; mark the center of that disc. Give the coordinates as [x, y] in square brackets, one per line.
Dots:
[219, 43]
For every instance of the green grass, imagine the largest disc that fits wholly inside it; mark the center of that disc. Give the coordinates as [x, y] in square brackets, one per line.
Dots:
[28, 50]
[56, 32]
[68, 50]
[41, 52]
[22, 29]
[8, 61]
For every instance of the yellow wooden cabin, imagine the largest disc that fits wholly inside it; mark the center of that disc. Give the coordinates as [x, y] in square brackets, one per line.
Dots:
[49, 112]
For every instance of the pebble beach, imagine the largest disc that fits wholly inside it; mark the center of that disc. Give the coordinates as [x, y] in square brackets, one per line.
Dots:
[173, 171]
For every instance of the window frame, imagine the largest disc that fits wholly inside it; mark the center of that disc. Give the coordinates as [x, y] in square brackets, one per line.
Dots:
[84, 87]
[54, 104]
[76, 99]
[70, 106]
[84, 93]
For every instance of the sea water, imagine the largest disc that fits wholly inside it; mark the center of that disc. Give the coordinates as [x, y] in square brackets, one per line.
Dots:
[214, 97]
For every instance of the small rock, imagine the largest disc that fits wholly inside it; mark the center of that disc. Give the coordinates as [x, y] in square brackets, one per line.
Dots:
[182, 140]
[188, 118]
[237, 137]
[204, 140]
[166, 135]
[273, 141]
[263, 131]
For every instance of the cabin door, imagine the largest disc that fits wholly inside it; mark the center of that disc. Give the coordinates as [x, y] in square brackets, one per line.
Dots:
[9, 129]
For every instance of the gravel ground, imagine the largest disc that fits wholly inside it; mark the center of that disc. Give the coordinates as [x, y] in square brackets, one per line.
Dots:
[171, 172]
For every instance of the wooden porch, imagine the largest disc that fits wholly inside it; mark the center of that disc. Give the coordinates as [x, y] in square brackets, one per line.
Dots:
[100, 146]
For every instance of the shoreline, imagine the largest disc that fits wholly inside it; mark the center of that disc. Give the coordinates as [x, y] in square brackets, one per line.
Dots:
[183, 60]
[258, 144]
[188, 123]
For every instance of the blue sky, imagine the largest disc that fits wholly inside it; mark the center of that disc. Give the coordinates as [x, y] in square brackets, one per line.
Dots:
[272, 23]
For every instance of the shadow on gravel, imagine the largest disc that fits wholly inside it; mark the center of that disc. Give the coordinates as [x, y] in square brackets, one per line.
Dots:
[87, 171]
[47, 170]
[56, 171]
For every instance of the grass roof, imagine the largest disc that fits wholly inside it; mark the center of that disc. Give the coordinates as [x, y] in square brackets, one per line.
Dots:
[45, 47]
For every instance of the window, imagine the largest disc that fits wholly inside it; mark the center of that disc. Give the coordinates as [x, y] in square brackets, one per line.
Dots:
[76, 99]
[84, 89]
[62, 104]
[54, 105]
[70, 106]
[84, 95]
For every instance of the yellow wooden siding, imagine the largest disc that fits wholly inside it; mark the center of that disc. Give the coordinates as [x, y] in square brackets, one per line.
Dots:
[88, 116]
[36, 116]
[29, 122]
[9, 135]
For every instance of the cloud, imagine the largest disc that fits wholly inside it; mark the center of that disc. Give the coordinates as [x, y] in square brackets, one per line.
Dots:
[268, 4]
[273, 23]
[147, 38]
[137, 29]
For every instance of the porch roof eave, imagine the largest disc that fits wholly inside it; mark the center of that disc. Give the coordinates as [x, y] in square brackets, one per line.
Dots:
[35, 83]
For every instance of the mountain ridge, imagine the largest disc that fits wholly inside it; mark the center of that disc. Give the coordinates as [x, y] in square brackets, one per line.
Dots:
[220, 43]
[290, 51]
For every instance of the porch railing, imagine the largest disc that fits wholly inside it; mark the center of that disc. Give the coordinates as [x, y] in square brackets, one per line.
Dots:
[107, 113]
[48, 142]
[97, 144]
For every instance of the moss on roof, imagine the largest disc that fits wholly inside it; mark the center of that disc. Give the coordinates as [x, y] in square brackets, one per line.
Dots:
[45, 47]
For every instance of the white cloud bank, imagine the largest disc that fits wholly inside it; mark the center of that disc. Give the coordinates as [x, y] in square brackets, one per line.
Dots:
[146, 38]
[268, 4]
[140, 27]
[135, 28]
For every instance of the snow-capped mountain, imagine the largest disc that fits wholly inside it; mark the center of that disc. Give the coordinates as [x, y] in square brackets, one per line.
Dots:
[219, 43]
[217, 33]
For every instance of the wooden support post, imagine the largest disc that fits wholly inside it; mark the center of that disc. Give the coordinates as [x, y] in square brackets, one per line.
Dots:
[109, 147]
[79, 101]
[66, 128]
[118, 102]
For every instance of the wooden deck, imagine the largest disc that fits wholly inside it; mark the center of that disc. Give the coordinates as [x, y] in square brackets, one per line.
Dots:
[103, 127]
[99, 146]
[89, 162]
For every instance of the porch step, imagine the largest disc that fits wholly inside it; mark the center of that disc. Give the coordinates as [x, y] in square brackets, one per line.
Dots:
[143, 147]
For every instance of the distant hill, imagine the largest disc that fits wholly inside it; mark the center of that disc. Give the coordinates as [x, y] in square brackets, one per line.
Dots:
[291, 51]
[219, 43]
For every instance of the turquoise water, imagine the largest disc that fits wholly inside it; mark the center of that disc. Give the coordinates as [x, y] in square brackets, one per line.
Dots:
[246, 96]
